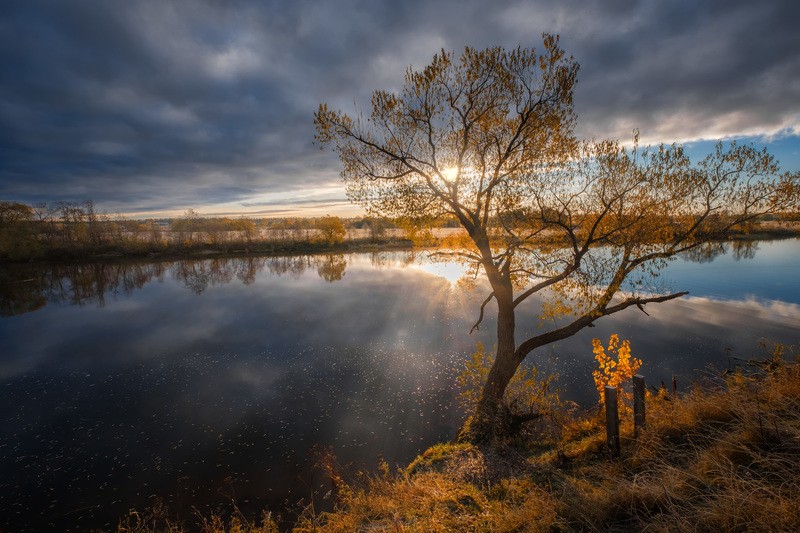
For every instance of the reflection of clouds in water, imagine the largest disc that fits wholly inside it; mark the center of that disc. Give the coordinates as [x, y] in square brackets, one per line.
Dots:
[258, 380]
[680, 337]
[245, 377]
[728, 313]
[391, 306]
[731, 319]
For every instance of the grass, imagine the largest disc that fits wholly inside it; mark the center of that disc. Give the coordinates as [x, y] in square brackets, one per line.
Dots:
[722, 457]
[157, 519]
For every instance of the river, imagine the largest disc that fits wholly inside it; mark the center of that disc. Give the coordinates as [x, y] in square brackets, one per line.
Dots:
[201, 381]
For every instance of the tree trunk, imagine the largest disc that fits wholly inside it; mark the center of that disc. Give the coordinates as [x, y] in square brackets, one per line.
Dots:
[504, 364]
[492, 418]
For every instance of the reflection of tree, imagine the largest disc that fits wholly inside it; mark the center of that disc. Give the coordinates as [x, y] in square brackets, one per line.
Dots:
[19, 294]
[27, 287]
[195, 276]
[248, 268]
[332, 268]
[710, 251]
[705, 253]
[379, 259]
[383, 259]
[744, 249]
[294, 265]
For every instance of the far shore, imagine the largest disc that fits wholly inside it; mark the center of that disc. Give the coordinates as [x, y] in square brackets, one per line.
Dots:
[209, 250]
[353, 242]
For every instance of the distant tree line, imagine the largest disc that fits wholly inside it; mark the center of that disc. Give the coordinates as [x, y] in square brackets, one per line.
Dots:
[77, 229]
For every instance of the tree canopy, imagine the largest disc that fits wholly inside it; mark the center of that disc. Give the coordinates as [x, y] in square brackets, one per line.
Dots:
[489, 139]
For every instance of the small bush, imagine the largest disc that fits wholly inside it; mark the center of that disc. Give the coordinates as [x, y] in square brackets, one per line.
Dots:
[615, 369]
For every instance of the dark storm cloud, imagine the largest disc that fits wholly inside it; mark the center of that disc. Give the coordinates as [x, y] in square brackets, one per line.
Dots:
[688, 70]
[155, 105]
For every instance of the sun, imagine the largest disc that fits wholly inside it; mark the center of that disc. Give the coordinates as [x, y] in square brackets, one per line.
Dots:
[450, 173]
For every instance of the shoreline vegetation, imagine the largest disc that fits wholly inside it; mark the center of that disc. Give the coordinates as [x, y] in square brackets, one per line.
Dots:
[722, 456]
[68, 232]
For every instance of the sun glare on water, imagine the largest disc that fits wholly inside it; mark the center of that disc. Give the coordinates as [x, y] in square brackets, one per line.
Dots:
[452, 272]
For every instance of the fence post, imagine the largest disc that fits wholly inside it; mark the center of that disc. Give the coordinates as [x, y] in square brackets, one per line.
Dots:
[612, 420]
[638, 403]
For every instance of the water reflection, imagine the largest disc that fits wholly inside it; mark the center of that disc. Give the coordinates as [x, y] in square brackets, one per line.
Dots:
[712, 250]
[25, 288]
[332, 268]
[28, 287]
[170, 392]
[19, 294]
[153, 389]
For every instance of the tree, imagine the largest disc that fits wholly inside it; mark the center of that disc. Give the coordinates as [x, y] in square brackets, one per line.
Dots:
[18, 233]
[186, 227]
[377, 227]
[488, 139]
[246, 228]
[331, 229]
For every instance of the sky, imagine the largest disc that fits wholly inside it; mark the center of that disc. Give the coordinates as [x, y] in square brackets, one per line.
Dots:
[150, 108]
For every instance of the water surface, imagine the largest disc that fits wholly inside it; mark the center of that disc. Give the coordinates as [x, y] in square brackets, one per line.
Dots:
[200, 381]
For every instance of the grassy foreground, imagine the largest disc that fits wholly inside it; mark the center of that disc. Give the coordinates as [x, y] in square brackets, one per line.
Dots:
[723, 457]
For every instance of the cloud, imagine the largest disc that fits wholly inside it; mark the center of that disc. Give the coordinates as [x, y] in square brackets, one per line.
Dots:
[170, 104]
[690, 71]
[298, 201]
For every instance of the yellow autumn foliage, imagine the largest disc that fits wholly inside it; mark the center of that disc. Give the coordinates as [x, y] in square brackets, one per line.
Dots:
[616, 367]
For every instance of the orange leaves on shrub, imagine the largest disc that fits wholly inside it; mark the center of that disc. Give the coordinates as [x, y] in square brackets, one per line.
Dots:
[616, 367]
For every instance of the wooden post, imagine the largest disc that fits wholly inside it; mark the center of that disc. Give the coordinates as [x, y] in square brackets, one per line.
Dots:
[612, 420]
[674, 385]
[638, 403]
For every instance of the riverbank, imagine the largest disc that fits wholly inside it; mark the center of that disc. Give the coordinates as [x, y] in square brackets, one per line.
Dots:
[441, 237]
[721, 457]
[201, 250]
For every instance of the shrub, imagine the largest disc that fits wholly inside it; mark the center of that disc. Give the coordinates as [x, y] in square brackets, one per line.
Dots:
[615, 373]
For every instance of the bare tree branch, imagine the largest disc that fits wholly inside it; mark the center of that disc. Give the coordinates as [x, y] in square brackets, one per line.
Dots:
[584, 321]
[477, 324]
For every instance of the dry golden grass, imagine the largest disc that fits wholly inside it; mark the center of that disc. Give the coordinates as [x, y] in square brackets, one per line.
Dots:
[157, 519]
[721, 458]
[435, 502]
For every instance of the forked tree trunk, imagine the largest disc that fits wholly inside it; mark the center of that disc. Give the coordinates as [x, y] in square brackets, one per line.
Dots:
[491, 417]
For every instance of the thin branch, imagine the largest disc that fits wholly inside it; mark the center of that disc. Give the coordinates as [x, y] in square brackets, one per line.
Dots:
[639, 302]
[480, 318]
[585, 321]
[464, 255]
[546, 283]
